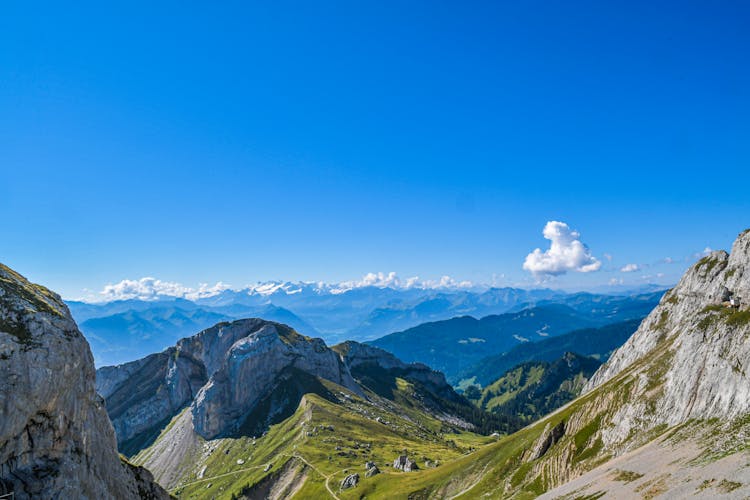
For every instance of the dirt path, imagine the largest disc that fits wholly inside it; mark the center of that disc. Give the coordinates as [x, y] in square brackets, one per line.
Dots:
[467, 489]
[326, 476]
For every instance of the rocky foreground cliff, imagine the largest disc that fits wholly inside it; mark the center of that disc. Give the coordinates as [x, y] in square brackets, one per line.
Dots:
[56, 440]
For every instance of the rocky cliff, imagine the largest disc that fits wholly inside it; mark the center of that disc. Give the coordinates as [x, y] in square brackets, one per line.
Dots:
[668, 414]
[223, 373]
[703, 341]
[361, 357]
[55, 438]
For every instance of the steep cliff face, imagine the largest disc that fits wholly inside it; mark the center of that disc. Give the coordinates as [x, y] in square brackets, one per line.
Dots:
[55, 438]
[359, 357]
[703, 342]
[222, 374]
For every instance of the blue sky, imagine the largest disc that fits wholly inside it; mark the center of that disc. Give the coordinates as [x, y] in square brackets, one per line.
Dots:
[320, 141]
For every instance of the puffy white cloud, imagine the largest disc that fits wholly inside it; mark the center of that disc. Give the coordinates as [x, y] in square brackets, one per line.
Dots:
[149, 288]
[630, 268]
[566, 253]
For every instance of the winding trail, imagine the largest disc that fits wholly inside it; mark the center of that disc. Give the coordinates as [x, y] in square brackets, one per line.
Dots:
[218, 476]
[468, 488]
[326, 476]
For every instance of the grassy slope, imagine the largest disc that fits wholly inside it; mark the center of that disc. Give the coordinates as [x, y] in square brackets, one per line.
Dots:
[534, 389]
[356, 438]
[499, 471]
[473, 465]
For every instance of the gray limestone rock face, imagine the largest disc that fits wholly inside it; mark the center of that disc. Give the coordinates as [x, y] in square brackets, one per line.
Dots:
[702, 345]
[221, 373]
[404, 463]
[56, 440]
[356, 355]
[251, 368]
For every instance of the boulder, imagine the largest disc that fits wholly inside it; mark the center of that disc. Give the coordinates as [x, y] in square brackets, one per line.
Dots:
[350, 481]
[404, 463]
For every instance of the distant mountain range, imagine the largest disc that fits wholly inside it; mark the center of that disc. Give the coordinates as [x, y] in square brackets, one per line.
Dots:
[125, 330]
[453, 346]
[595, 342]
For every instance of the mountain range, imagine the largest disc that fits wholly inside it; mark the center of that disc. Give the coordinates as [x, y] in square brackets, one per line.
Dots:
[598, 343]
[456, 345]
[124, 330]
[252, 408]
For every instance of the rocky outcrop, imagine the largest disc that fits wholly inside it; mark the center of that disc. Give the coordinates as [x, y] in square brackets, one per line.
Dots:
[222, 374]
[250, 370]
[405, 464]
[359, 357]
[371, 469]
[546, 440]
[55, 438]
[350, 481]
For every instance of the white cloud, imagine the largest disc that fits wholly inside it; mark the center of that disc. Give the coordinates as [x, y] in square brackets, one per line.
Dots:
[705, 253]
[649, 277]
[608, 256]
[630, 268]
[149, 288]
[566, 253]
[392, 280]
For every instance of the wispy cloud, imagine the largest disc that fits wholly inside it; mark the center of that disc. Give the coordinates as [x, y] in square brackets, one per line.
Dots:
[630, 268]
[706, 251]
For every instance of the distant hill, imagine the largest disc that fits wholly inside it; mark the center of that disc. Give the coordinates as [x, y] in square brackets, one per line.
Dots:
[609, 308]
[595, 342]
[532, 389]
[452, 346]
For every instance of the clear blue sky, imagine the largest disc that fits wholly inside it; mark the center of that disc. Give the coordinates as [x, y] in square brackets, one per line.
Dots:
[198, 142]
